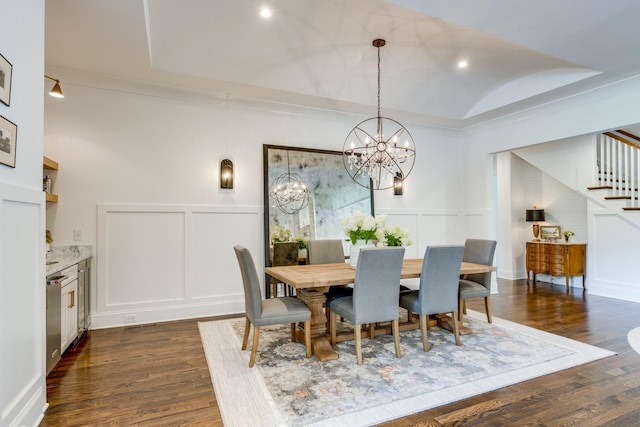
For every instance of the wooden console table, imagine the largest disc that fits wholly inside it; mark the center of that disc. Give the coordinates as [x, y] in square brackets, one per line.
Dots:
[557, 259]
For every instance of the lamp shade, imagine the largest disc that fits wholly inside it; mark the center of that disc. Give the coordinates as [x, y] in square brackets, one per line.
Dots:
[535, 215]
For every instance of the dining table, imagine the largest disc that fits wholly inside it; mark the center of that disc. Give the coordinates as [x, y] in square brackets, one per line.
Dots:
[312, 281]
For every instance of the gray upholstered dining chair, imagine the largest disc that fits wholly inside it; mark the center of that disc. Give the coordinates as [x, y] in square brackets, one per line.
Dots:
[273, 311]
[438, 291]
[375, 295]
[328, 251]
[476, 285]
[284, 253]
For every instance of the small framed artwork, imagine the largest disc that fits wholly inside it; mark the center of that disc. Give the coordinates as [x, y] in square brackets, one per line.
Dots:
[5, 80]
[549, 232]
[8, 138]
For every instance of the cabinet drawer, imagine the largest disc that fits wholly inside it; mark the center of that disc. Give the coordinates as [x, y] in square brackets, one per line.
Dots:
[557, 250]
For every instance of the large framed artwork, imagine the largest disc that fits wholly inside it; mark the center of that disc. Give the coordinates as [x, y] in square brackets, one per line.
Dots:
[5, 80]
[8, 137]
[332, 194]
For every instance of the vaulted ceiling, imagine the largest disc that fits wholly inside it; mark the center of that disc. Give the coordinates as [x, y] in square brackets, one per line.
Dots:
[521, 53]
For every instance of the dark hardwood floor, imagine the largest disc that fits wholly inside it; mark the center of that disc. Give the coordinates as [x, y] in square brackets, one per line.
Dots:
[156, 375]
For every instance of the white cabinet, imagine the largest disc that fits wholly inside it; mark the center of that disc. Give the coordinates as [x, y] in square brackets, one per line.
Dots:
[69, 307]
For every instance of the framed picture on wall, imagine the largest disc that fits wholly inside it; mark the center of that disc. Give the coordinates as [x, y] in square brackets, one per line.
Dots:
[8, 137]
[5, 80]
[549, 232]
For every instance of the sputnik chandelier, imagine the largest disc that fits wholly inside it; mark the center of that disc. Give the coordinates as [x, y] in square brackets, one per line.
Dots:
[378, 149]
[290, 193]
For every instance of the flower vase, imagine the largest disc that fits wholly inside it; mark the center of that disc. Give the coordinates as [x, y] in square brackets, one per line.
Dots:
[354, 251]
[566, 239]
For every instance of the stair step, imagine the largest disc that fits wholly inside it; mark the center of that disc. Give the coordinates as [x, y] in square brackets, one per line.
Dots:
[617, 198]
[631, 209]
[600, 187]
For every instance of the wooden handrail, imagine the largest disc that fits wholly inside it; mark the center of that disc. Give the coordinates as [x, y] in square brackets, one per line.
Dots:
[624, 140]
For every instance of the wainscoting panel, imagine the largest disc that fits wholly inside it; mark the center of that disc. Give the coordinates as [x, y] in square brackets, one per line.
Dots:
[427, 227]
[613, 248]
[215, 271]
[22, 305]
[144, 257]
[166, 262]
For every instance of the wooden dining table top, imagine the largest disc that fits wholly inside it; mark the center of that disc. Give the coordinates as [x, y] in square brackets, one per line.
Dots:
[323, 275]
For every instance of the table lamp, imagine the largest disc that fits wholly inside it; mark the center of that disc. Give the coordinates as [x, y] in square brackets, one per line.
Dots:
[535, 215]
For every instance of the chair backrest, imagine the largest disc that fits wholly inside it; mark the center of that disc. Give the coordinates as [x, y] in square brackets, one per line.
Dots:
[438, 291]
[479, 252]
[325, 251]
[285, 253]
[375, 290]
[250, 282]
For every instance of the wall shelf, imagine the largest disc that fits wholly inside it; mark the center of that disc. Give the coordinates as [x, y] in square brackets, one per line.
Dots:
[47, 163]
[52, 165]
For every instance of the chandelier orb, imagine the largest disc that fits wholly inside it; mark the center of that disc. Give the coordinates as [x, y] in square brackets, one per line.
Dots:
[379, 148]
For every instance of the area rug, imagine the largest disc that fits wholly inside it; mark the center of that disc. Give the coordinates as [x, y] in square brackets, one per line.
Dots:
[286, 389]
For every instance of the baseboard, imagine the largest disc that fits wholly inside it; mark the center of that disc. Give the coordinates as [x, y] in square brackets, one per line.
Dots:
[165, 314]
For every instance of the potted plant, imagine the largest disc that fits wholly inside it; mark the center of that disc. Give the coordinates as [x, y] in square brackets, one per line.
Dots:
[567, 234]
[394, 236]
[361, 231]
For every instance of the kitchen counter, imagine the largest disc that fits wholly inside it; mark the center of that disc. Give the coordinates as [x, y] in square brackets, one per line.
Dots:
[61, 257]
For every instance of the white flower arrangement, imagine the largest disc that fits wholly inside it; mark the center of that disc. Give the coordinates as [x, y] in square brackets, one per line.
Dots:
[280, 234]
[394, 236]
[360, 226]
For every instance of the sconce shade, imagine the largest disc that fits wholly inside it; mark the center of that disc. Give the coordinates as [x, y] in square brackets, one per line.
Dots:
[535, 215]
[226, 174]
[56, 90]
[398, 185]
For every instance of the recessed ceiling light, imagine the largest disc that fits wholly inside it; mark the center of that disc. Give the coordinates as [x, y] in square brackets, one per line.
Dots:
[265, 12]
[463, 64]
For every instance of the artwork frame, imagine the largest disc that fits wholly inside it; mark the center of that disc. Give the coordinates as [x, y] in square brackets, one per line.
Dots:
[8, 142]
[550, 232]
[320, 219]
[6, 72]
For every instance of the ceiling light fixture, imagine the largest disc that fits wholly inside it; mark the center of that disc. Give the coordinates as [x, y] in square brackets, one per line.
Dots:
[290, 192]
[463, 63]
[379, 148]
[265, 12]
[56, 90]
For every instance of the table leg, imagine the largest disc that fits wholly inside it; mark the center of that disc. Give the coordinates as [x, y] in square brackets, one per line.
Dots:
[445, 322]
[315, 299]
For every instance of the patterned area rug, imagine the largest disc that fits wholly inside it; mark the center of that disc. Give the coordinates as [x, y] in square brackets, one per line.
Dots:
[286, 389]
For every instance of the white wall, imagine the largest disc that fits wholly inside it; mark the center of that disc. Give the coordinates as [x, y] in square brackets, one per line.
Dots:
[138, 175]
[22, 246]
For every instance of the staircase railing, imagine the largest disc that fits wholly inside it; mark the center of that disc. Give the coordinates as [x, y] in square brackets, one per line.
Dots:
[618, 157]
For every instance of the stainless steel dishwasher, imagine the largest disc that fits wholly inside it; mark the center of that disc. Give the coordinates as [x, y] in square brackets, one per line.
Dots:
[54, 317]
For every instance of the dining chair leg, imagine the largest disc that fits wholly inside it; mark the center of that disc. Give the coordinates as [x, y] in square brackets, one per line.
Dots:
[460, 302]
[423, 330]
[332, 328]
[395, 328]
[247, 327]
[487, 307]
[254, 349]
[464, 306]
[372, 331]
[307, 338]
[358, 335]
[456, 329]
[293, 332]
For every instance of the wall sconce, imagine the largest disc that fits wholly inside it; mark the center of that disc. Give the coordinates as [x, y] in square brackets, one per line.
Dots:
[398, 184]
[56, 90]
[535, 215]
[226, 174]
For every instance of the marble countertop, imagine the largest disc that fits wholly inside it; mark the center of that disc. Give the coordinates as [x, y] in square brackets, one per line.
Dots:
[61, 257]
